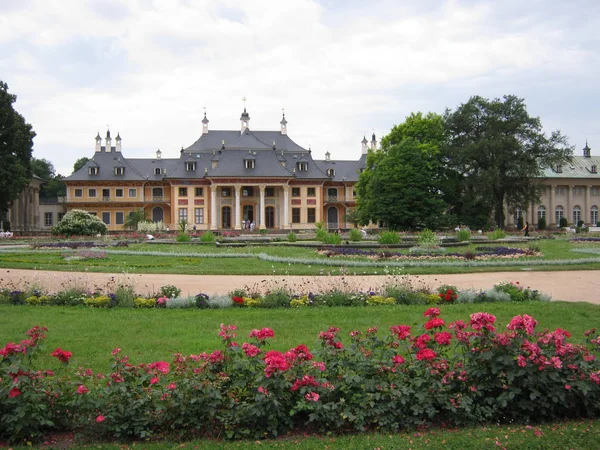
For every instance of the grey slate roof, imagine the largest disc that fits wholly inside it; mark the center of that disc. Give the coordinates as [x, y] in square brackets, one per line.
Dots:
[231, 164]
[579, 167]
[263, 139]
[344, 170]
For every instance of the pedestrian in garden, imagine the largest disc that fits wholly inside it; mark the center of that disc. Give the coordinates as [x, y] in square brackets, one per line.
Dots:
[526, 228]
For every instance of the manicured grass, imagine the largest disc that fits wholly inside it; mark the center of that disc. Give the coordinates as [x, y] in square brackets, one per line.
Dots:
[155, 334]
[576, 435]
[198, 263]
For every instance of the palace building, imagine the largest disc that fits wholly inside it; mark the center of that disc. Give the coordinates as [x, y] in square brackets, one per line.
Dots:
[225, 180]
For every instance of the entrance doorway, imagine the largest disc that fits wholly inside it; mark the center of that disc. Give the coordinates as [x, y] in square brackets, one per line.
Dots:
[226, 217]
[248, 215]
[157, 214]
[332, 218]
[270, 217]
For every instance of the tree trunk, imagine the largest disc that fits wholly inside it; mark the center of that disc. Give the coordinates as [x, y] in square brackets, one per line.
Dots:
[499, 210]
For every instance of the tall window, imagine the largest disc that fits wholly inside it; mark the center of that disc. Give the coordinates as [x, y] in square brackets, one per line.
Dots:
[182, 192]
[310, 192]
[269, 192]
[118, 192]
[594, 216]
[595, 191]
[296, 192]
[516, 215]
[311, 215]
[576, 215]
[48, 219]
[78, 192]
[541, 213]
[225, 192]
[93, 171]
[91, 193]
[106, 217]
[578, 191]
[190, 166]
[119, 218]
[132, 193]
[250, 163]
[198, 215]
[199, 192]
[295, 215]
[183, 214]
[302, 166]
[119, 170]
[157, 171]
[558, 214]
[561, 190]
[61, 215]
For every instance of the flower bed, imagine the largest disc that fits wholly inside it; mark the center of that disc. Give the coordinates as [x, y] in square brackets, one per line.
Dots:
[392, 294]
[461, 373]
[483, 253]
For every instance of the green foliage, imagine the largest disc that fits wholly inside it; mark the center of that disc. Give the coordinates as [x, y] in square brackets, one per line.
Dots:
[541, 223]
[79, 223]
[517, 292]
[170, 291]
[279, 298]
[322, 234]
[53, 185]
[388, 238]
[428, 238]
[463, 235]
[102, 301]
[563, 222]
[497, 234]
[355, 235]
[263, 231]
[183, 237]
[208, 237]
[142, 302]
[400, 186]
[182, 224]
[520, 223]
[80, 163]
[16, 145]
[134, 218]
[125, 296]
[375, 300]
[292, 237]
[332, 239]
[503, 150]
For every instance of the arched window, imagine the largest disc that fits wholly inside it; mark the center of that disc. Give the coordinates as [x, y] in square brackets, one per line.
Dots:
[559, 212]
[594, 216]
[541, 212]
[576, 215]
[516, 215]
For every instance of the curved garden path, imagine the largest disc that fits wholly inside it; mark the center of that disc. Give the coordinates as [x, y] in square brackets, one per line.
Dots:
[572, 286]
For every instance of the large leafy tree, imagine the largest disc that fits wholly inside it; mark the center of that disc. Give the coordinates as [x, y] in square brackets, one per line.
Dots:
[401, 185]
[53, 185]
[80, 163]
[498, 152]
[16, 145]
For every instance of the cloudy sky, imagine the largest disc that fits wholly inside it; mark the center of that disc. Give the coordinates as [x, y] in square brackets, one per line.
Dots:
[341, 69]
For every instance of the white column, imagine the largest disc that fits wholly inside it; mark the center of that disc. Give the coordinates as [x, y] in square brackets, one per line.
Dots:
[238, 213]
[262, 207]
[586, 214]
[569, 212]
[213, 207]
[551, 216]
[286, 206]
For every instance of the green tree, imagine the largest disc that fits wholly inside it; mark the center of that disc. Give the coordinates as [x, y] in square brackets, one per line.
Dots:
[134, 217]
[79, 223]
[402, 183]
[498, 152]
[16, 145]
[53, 185]
[80, 163]
[402, 191]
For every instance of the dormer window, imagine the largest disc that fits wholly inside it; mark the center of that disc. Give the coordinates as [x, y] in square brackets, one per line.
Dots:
[559, 169]
[157, 171]
[93, 171]
[190, 166]
[330, 172]
[119, 170]
[594, 169]
[250, 163]
[302, 166]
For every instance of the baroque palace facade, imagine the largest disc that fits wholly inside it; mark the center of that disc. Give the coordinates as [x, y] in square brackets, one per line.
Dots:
[225, 180]
[228, 179]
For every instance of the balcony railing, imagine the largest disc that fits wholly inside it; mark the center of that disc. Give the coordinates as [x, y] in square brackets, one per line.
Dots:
[339, 198]
[157, 198]
[105, 198]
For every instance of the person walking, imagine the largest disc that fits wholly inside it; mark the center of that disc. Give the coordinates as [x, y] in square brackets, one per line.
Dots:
[526, 229]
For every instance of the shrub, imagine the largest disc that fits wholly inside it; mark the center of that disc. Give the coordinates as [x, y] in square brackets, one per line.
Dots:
[517, 292]
[170, 291]
[563, 222]
[183, 237]
[124, 296]
[181, 302]
[202, 301]
[374, 300]
[263, 231]
[276, 299]
[142, 302]
[146, 227]
[79, 223]
[463, 235]
[388, 238]
[541, 223]
[332, 239]
[493, 295]
[69, 297]
[38, 300]
[428, 238]
[220, 301]
[208, 237]
[355, 235]
[498, 233]
[102, 301]
[322, 235]
[292, 237]
[520, 223]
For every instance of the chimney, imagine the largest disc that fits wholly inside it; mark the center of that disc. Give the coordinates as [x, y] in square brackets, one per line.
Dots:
[98, 143]
[118, 140]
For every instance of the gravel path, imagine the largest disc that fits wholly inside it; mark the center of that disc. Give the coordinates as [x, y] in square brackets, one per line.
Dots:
[571, 286]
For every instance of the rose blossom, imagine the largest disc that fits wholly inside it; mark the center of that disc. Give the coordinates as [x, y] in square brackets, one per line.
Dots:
[432, 312]
[81, 389]
[14, 392]
[443, 338]
[62, 355]
[263, 334]
[100, 419]
[312, 397]
[397, 360]
[426, 354]
[401, 331]
[434, 323]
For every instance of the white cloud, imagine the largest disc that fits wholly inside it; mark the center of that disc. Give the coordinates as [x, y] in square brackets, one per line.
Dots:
[146, 68]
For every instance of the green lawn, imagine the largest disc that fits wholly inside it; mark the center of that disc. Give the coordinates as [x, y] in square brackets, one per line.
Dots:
[155, 334]
[197, 260]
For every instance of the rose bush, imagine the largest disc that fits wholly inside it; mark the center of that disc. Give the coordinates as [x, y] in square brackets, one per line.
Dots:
[461, 373]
